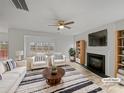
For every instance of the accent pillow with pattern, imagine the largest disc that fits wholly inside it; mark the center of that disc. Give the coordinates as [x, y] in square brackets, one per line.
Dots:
[11, 64]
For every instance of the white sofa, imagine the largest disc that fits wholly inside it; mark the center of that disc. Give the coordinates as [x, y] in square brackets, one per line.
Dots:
[58, 59]
[39, 61]
[11, 79]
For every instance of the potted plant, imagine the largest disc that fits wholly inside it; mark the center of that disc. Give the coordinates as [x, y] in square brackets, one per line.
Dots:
[72, 54]
[53, 70]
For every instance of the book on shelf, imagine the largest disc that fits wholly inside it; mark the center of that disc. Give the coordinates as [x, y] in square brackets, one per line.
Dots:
[122, 62]
[121, 71]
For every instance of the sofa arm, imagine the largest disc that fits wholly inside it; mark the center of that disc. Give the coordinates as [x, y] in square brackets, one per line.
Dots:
[64, 58]
[21, 63]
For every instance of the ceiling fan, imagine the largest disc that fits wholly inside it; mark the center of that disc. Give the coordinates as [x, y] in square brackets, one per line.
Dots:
[61, 24]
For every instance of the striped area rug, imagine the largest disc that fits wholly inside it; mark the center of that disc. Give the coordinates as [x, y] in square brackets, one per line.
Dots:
[72, 82]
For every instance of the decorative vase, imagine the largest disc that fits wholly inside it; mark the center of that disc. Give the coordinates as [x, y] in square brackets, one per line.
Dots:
[54, 72]
[72, 58]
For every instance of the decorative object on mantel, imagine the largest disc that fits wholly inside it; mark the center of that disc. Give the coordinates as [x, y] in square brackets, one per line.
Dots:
[53, 70]
[72, 54]
[19, 55]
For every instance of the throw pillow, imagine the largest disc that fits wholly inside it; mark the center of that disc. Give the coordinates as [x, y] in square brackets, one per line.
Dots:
[13, 63]
[1, 77]
[9, 65]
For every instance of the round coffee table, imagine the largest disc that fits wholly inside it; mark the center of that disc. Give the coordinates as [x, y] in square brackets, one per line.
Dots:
[53, 79]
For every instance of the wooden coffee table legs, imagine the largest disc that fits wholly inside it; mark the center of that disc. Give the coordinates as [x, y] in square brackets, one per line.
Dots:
[53, 82]
[53, 79]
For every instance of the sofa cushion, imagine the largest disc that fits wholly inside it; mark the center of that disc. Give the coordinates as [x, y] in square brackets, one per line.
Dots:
[9, 75]
[8, 81]
[2, 68]
[18, 70]
[10, 78]
[6, 84]
[40, 62]
[58, 60]
[59, 56]
[35, 66]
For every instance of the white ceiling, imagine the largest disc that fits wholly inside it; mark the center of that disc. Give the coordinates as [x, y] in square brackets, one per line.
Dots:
[87, 14]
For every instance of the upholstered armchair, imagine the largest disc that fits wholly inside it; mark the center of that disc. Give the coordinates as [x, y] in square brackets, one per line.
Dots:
[39, 61]
[58, 59]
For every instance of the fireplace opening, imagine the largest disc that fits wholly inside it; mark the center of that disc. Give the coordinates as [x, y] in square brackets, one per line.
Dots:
[96, 63]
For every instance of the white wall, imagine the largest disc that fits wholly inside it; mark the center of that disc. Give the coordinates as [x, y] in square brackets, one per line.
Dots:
[3, 28]
[3, 33]
[63, 44]
[16, 40]
[3, 37]
[109, 50]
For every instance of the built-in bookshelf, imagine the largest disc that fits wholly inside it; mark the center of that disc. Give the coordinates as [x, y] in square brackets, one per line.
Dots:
[119, 54]
[80, 51]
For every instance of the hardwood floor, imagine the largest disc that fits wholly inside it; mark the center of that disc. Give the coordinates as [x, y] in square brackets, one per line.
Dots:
[109, 87]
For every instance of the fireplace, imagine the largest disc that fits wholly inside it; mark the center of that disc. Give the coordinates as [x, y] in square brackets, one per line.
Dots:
[96, 63]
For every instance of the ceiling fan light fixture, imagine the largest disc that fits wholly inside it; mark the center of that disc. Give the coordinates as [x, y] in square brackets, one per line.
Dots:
[61, 26]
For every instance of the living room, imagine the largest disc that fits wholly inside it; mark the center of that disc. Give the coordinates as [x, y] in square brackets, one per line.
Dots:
[34, 33]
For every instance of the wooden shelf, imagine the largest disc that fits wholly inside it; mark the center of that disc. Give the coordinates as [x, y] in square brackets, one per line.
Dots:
[80, 53]
[120, 64]
[121, 55]
[119, 46]
[120, 37]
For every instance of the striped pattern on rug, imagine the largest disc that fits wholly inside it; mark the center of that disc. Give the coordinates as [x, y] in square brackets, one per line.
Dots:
[72, 82]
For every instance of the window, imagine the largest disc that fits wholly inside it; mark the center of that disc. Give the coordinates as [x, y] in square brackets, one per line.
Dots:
[3, 50]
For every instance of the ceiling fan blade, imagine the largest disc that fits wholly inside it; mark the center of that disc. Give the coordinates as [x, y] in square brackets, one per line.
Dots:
[52, 25]
[71, 22]
[67, 27]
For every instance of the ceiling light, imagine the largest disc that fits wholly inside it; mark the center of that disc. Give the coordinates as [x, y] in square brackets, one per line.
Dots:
[61, 26]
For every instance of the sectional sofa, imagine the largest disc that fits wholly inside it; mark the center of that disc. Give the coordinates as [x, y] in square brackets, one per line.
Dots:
[11, 79]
